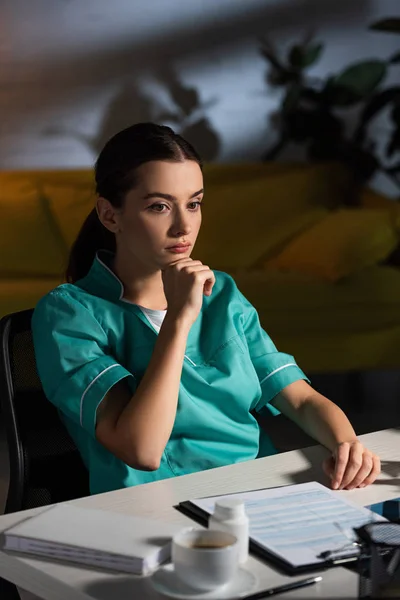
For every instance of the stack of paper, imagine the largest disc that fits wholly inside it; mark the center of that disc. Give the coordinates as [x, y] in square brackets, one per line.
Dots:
[298, 526]
[94, 537]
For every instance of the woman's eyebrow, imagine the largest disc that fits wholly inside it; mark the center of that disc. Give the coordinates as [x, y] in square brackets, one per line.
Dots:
[168, 196]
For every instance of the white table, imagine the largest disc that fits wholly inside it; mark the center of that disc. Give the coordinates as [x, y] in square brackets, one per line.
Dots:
[57, 581]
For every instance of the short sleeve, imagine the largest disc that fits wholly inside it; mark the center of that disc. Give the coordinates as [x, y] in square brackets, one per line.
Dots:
[73, 362]
[275, 370]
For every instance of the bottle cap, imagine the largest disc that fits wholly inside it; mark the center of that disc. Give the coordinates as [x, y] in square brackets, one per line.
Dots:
[229, 508]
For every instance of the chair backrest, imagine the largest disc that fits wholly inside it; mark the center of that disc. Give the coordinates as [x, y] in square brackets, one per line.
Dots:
[45, 465]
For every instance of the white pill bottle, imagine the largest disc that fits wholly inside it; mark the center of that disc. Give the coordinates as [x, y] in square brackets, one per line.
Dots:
[230, 515]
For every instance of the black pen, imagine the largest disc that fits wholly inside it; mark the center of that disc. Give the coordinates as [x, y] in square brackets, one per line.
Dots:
[287, 587]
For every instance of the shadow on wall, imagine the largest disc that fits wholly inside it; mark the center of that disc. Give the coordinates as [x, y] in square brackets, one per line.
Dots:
[185, 113]
[189, 115]
[128, 106]
[119, 61]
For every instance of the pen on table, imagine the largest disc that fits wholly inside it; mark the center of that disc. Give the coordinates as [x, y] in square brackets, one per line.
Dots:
[287, 587]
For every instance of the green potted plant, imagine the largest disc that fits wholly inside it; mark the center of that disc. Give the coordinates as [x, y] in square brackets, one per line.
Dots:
[312, 110]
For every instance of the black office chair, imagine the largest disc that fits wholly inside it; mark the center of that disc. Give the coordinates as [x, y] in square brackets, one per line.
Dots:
[45, 465]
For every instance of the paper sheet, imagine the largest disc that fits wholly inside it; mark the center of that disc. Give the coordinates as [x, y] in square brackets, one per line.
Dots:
[298, 522]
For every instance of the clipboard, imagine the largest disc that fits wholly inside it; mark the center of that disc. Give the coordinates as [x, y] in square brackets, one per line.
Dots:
[266, 552]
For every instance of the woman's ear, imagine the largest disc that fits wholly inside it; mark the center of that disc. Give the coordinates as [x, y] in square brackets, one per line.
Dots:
[108, 214]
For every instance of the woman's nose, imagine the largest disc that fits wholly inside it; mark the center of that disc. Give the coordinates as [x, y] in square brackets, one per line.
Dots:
[180, 225]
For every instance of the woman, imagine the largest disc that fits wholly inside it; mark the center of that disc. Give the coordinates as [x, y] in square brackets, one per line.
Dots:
[155, 362]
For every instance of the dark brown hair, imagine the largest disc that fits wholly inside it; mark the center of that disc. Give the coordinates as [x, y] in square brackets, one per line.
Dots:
[115, 176]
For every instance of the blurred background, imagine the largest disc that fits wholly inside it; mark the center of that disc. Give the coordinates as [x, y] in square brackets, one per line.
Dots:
[295, 107]
[73, 73]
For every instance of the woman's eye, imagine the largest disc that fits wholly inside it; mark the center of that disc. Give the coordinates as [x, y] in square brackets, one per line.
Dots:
[158, 207]
[195, 205]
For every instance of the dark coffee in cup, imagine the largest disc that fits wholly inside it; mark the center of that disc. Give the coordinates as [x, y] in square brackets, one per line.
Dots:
[205, 559]
[207, 545]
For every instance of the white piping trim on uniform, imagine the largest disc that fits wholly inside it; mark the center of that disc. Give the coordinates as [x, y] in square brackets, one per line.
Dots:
[128, 302]
[194, 364]
[113, 274]
[119, 281]
[276, 370]
[88, 388]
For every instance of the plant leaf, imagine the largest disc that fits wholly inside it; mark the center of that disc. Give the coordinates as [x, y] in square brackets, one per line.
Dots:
[273, 152]
[313, 53]
[393, 169]
[291, 98]
[281, 77]
[377, 102]
[391, 25]
[301, 57]
[299, 125]
[395, 116]
[362, 78]
[338, 95]
[310, 95]
[296, 57]
[268, 51]
[394, 143]
[271, 58]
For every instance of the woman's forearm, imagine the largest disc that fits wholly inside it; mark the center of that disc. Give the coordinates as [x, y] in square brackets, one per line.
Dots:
[324, 421]
[147, 420]
[350, 464]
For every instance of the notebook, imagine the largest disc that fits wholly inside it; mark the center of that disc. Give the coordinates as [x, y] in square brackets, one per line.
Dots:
[94, 537]
[297, 527]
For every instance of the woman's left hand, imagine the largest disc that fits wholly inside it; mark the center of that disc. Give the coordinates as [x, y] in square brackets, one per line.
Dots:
[352, 465]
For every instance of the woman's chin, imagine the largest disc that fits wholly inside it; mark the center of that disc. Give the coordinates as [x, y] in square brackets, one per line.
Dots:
[172, 257]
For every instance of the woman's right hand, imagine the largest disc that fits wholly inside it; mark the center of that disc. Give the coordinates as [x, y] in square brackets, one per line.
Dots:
[185, 282]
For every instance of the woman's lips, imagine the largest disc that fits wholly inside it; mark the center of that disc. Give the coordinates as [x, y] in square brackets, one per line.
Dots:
[178, 249]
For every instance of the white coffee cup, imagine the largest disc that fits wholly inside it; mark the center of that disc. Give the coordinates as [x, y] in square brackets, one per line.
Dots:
[205, 559]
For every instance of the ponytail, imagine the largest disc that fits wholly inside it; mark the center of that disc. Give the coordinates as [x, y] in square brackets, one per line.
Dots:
[93, 236]
[115, 175]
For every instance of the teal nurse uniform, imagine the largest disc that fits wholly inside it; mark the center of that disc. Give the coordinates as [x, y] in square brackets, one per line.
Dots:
[87, 337]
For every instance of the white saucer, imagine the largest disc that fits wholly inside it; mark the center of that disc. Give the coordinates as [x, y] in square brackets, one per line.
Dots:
[166, 582]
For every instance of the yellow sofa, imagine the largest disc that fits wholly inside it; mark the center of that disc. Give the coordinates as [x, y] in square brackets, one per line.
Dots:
[251, 214]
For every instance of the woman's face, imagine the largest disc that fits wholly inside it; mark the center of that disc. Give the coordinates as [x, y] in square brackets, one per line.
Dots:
[161, 216]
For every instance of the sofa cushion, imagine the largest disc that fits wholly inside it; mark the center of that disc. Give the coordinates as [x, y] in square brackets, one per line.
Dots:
[24, 293]
[371, 199]
[29, 243]
[246, 220]
[344, 242]
[330, 327]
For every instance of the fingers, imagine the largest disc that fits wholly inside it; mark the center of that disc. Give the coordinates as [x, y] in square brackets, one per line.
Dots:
[201, 274]
[174, 263]
[354, 463]
[329, 466]
[183, 262]
[190, 265]
[376, 469]
[209, 284]
[369, 471]
[180, 263]
[196, 268]
[363, 472]
[355, 466]
[206, 278]
[341, 460]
